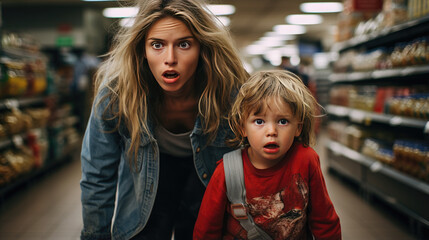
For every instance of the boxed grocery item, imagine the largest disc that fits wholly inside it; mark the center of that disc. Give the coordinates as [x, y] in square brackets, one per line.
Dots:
[362, 5]
[395, 12]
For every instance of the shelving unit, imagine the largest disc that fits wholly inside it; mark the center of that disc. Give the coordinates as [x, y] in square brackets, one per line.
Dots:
[43, 133]
[397, 33]
[402, 191]
[67, 153]
[364, 117]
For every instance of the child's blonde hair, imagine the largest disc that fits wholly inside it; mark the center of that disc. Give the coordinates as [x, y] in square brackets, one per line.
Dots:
[281, 85]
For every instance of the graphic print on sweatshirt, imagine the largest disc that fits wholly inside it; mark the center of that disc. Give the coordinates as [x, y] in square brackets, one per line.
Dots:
[283, 214]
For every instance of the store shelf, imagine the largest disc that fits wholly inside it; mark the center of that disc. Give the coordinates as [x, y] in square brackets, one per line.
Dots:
[16, 139]
[407, 30]
[380, 75]
[68, 154]
[364, 117]
[21, 102]
[22, 54]
[405, 193]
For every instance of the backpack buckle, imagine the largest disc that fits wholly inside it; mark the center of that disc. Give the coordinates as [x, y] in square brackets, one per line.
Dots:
[239, 211]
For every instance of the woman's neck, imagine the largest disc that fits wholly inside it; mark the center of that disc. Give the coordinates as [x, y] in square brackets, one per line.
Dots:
[178, 113]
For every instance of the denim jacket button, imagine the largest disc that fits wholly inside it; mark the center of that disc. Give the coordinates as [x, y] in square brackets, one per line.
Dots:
[205, 176]
[151, 188]
[198, 150]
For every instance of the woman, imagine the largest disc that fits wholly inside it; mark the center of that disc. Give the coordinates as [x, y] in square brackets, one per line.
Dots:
[158, 123]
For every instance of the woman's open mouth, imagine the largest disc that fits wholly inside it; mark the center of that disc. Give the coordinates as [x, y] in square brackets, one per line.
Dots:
[170, 76]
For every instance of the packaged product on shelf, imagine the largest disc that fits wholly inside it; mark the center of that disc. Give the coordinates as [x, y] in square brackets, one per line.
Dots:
[383, 94]
[355, 12]
[395, 11]
[335, 130]
[378, 150]
[340, 95]
[21, 160]
[35, 73]
[16, 122]
[38, 143]
[355, 136]
[385, 155]
[420, 51]
[362, 98]
[6, 171]
[14, 83]
[417, 8]
[3, 131]
[39, 116]
[412, 157]
[413, 106]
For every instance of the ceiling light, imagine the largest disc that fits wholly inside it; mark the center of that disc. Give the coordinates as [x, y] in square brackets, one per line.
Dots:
[289, 29]
[321, 7]
[127, 22]
[255, 49]
[279, 36]
[221, 9]
[304, 19]
[224, 20]
[268, 42]
[120, 12]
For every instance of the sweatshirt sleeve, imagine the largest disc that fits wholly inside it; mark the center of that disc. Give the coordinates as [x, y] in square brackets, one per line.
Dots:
[323, 219]
[210, 221]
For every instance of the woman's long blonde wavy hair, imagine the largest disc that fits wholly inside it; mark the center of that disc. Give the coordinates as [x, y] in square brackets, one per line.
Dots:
[281, 85]
[133, 91]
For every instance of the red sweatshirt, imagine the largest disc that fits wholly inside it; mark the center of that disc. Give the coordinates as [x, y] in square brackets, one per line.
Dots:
[288, 201]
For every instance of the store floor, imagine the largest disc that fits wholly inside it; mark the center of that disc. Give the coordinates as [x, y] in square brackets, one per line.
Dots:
[49, 208]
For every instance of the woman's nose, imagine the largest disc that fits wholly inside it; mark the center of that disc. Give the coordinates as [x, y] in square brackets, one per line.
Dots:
[170, 58]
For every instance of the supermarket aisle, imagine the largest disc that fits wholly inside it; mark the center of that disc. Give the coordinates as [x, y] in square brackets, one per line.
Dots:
[50, 208]
[46, 209]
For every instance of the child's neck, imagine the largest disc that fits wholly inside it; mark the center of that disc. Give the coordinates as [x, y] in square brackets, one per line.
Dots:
[262, 163]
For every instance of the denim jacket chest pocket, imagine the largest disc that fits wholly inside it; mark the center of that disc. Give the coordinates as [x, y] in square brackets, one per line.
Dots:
[146, 150]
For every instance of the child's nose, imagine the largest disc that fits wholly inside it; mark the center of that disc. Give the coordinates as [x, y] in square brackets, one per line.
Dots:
[271, 130]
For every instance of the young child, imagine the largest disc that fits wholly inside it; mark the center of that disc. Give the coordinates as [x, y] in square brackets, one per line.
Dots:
[273, 118]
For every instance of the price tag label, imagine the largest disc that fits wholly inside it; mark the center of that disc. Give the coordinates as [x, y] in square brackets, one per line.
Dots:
[17, 140]
[426, 130]
[376, 166]
[11, 103]
[395, 121]
[357, 116]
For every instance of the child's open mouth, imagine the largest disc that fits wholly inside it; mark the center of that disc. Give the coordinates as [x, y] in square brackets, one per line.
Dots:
[271, 146]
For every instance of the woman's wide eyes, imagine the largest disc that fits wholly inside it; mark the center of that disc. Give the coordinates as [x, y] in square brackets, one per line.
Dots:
[157, 45]
[184, 44]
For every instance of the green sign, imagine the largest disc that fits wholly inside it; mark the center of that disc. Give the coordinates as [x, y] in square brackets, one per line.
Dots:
[64, 41]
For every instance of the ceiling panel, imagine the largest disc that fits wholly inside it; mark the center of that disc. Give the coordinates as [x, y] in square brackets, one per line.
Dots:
[251, 20]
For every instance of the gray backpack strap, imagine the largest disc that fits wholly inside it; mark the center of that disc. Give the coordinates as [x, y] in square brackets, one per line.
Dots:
[236, 192]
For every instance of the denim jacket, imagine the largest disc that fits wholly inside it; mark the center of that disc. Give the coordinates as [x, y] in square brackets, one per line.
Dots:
[107, 176]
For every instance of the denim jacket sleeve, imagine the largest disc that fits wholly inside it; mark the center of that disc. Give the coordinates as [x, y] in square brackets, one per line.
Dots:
[100, 157]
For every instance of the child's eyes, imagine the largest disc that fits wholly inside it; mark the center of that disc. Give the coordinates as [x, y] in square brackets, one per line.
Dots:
[259, 121]
[283, 121]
